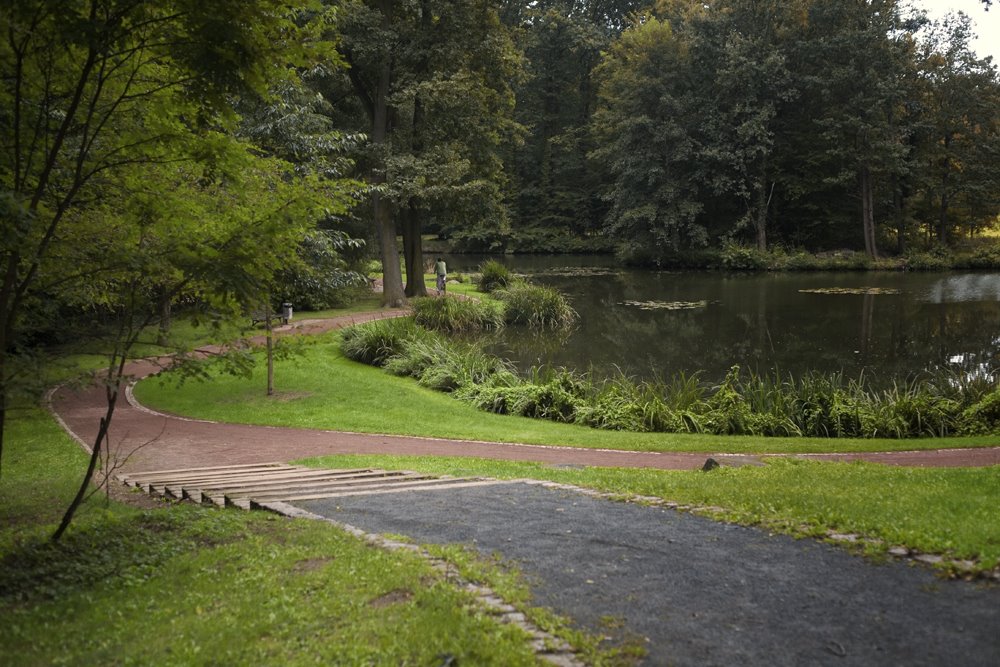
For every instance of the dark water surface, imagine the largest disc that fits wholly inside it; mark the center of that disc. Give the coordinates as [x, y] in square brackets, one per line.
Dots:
[902, 325]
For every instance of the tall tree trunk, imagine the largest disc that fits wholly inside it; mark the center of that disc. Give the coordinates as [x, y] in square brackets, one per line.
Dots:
[760, 214]
[392, 279]
[942, 226]
[413, 252]
[868, 211]
[270, 347]
[899, 213]
[162, 337]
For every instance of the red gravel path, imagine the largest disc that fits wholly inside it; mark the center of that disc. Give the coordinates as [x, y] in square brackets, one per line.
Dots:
[161, 442]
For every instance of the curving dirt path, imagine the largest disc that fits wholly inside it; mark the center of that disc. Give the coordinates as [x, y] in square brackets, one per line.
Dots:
[142, 439]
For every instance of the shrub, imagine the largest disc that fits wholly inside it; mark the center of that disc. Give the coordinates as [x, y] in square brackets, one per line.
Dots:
[493, 275]
[536, 306]
[983, 417]
[457, 315]
[742, 258]
[937, 259]
[984, 257]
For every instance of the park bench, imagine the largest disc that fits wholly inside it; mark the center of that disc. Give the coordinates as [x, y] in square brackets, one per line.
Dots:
[260, 315]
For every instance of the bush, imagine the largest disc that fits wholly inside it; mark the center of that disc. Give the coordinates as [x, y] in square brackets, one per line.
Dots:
[742, 258]
[983, 417]
[936, 259]
[493, 275]
[536, 306]
[457, 315]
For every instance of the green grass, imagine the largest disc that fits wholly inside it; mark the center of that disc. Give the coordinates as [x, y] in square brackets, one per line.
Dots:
[950, 511]
[322, 389]
[188, 585]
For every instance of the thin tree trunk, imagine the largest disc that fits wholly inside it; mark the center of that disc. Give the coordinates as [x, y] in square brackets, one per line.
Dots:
[270, 348]
[760, 217]
[95, 455]
[867, 212]
[163, 335]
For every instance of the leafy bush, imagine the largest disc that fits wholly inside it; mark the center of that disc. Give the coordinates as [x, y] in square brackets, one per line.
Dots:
[743, 258]
[983, 417]
[493, 275]
[457, 315]
[983, 257]
[935, 260]
[536, 306]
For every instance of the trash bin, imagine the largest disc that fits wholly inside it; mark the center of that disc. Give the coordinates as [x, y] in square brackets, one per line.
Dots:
[286, 313]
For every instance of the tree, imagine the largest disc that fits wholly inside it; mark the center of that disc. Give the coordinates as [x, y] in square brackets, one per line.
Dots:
[433, 78]
[962, 137]
[101, 98]
[647, 127]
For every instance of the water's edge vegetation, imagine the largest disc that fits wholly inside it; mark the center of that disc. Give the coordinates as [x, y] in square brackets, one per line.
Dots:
[744, 403]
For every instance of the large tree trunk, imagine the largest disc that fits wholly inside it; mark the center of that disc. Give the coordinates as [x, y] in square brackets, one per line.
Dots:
[868, 211]
[413, 252]
[392, 279]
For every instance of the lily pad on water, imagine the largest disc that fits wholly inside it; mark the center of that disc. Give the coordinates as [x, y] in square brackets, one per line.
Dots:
[851, 290]
[666, 305]
[579, 272]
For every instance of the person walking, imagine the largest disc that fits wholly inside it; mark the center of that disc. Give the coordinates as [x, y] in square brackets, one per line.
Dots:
[441, 271]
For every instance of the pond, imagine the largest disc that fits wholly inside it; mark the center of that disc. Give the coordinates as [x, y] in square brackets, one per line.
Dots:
[883, 325]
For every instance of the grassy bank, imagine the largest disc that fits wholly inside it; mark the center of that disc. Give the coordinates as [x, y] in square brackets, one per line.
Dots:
[322, 389]
[184, 585]
[939, 511]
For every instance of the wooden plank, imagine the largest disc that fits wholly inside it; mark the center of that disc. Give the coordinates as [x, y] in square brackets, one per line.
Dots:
[334, 490]
[213, 475]
[209, 468]
[375, 492]
[291, 476]
[264, 487]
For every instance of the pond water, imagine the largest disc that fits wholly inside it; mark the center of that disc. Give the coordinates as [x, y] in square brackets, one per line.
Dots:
[884, 325]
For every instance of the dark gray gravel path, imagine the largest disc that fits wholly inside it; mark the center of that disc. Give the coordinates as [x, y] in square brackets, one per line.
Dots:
[701, 592]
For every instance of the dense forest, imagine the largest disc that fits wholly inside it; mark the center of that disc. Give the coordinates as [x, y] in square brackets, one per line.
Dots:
[816, 124]
[658, 131]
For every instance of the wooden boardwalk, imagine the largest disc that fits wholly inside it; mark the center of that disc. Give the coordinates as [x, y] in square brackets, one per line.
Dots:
[253, 485]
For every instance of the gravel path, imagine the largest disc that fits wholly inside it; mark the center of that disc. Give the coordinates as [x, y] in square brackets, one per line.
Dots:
[695, 591]
[700, 592]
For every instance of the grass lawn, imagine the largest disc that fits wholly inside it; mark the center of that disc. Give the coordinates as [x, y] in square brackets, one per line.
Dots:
[184, 585]
[322, 389]
[950, 511]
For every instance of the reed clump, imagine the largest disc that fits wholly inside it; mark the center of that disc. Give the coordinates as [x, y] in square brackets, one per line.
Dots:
[815, 405]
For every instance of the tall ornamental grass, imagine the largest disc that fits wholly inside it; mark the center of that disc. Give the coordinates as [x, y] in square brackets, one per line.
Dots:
[493, 276]
[535, 306]
[742, 404]
[457, 315]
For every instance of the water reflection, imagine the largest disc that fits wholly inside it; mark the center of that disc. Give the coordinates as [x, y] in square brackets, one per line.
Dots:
[912, 323]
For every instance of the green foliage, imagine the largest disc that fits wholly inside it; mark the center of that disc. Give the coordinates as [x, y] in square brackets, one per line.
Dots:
[936, 260]
[742, 258]
[375, 342]
[535, 306]
[984, 416]
[457, 315]
[493, 275]
[814, 406]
